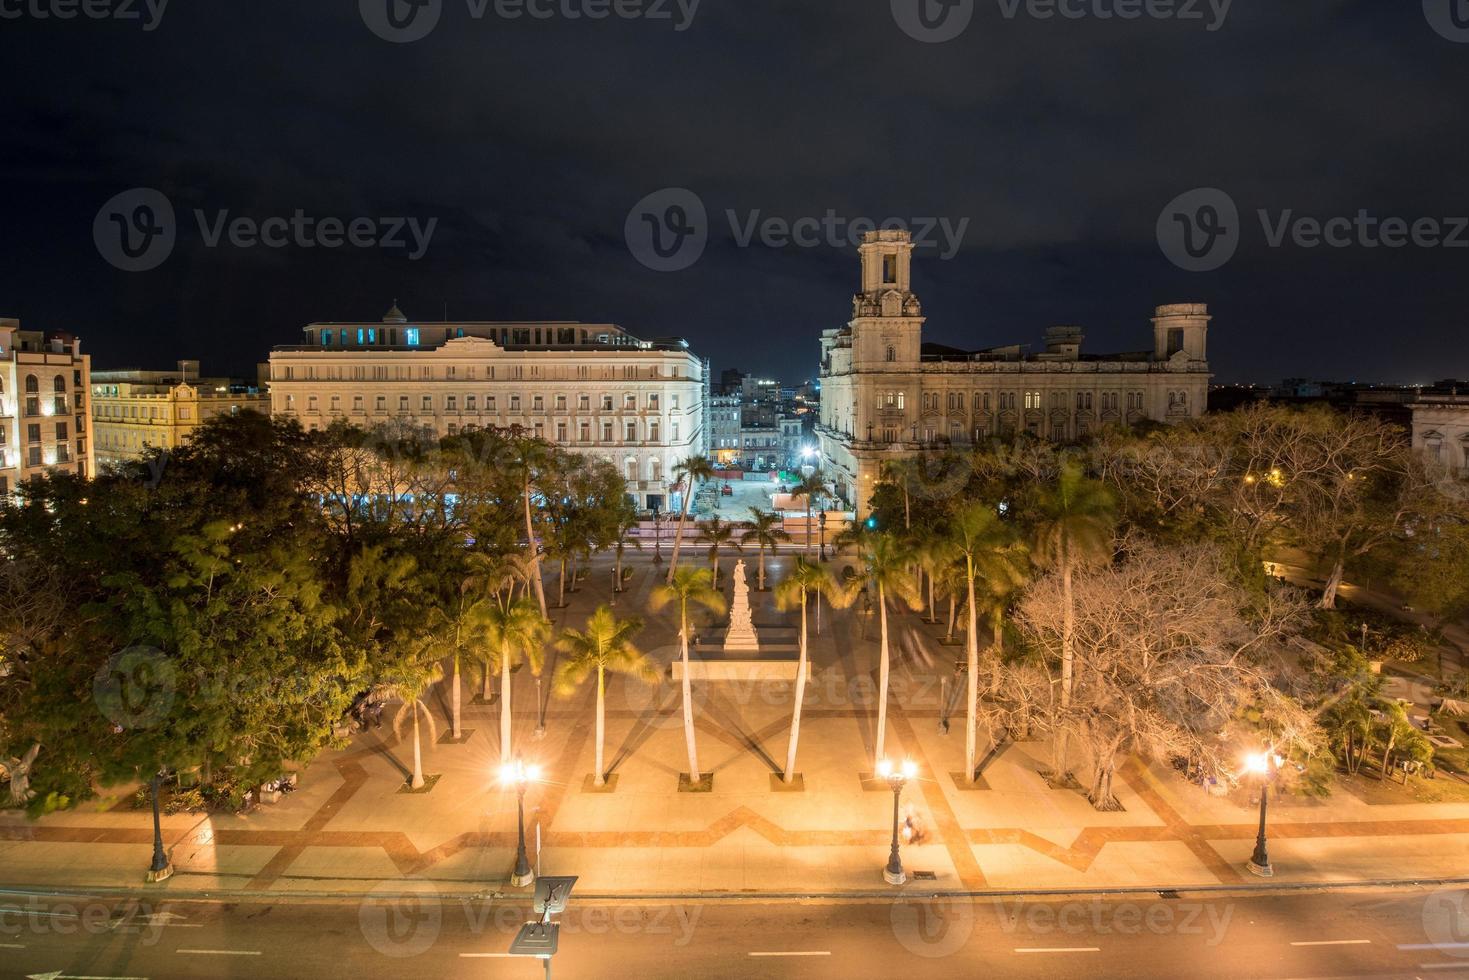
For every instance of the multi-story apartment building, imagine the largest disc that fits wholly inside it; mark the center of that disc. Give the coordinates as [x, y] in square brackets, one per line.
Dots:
[43, 394]
[133, 411]
[592, 388]
[723, 421]
[885, 394]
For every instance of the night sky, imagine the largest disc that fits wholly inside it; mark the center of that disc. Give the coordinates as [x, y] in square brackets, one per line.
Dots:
[530, 141]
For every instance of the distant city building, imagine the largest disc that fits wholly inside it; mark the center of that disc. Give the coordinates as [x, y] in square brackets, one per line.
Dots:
[731, 381]
[1441, 429]
[133, 411]
[592, 388]
[724, 429]
[792, 440]
[44, 424]
[885, 394]
[760, 447]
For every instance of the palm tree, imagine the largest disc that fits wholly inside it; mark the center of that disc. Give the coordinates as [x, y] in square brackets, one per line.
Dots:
[688, 470]
[529, 456]
[605, 645]
[991, 550]
[805, 579]
[900, 472]
[717, 534]
[765, 532]
[456, 630]
[493, 578]
[409, 679]
[885, 564]
[624, 522]
[511, 631]
[689, 585]
[1078, 520]
[810, 487]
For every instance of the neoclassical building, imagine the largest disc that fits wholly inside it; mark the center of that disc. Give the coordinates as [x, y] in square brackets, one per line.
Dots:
[885, 394]
[1441, 429]
[43, 404]
[592, 388]
[134, 411]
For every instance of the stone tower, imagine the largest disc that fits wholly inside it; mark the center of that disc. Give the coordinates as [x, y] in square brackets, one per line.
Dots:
[887, 319]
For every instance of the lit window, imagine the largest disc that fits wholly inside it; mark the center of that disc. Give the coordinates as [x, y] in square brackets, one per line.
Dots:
[410, 334]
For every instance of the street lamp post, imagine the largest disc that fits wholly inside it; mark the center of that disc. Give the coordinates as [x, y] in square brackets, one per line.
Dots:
[161, 868]
[1263, 764]
[822, 524]
[896, 777]
[520, 775]
[657, 537]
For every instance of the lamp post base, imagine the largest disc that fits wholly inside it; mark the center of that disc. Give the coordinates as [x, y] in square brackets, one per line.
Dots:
[162, 874]
[894, 877]
[1263, 870]
[519, 880]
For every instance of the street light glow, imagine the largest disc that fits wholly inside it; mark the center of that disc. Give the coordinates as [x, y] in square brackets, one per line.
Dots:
[517, 773]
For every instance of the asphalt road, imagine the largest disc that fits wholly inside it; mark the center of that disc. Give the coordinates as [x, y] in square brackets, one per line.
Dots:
[1400, 932]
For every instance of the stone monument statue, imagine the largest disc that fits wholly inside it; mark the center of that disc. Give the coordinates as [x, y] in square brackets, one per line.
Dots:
[741, 635]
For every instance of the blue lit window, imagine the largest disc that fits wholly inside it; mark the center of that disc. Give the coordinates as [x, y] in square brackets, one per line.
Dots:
[410, 335]
[360, 333]
[326, 338]
[371, 335]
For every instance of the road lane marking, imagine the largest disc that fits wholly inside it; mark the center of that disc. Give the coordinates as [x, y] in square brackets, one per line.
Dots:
[220, 952]
[795, 952]
[1058, 949]
[1335, 942]
[11, 946]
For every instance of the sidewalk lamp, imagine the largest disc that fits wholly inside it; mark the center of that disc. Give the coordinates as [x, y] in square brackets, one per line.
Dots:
[1264, 765]
[822, 523]
[896, 776]
[162, 868]
[657, 535]
[520, 775]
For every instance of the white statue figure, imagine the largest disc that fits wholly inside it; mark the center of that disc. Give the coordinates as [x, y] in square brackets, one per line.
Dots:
[741, 635]
[18, 773]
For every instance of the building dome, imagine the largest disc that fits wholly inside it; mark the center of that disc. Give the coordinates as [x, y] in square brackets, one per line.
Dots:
[395, 315]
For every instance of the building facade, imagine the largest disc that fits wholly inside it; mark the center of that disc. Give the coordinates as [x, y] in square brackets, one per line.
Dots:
[885, 394]
[591, 388]
[133, 411]
[723, 420]
[44, 378]
[1441, 430]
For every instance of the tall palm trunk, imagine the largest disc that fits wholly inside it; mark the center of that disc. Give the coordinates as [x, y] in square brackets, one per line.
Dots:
[683, 517]
[882, 675]
[808, 525]
[455, 702]
[971, 724]
[601, 726]
[762, 567]
[504, 707]
[486, 690]
[418, 780]
[617, 572]
[561, 586]
[688, 698]
[533, 552]
[800, 695]
[1068, 657]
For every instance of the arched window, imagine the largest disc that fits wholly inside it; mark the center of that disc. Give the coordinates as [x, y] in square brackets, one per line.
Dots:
[33, 386]
[58, 385]
[892, 354]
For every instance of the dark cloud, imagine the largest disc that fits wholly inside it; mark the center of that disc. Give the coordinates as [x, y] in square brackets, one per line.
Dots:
[1059, 141]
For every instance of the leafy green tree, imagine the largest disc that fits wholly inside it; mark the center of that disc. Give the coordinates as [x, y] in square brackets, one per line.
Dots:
[691, 470]
[690, 586]
[765, 532]
[605, 646]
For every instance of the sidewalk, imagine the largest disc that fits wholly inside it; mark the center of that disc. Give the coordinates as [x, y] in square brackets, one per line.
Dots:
[349, 829]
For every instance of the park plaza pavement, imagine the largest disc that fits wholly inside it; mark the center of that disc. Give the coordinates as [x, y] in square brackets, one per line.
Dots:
[349, 827]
